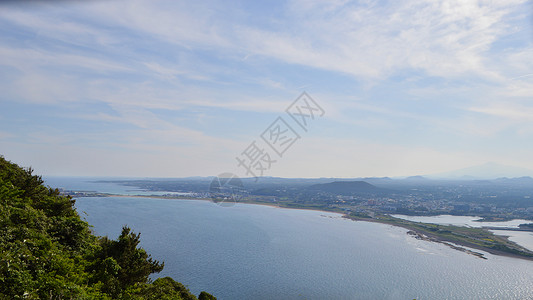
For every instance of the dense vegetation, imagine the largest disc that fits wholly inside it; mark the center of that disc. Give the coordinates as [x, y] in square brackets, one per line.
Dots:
[48, 252]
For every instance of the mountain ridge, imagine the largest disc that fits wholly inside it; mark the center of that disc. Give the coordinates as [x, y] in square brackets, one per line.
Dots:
[344, 187]
[489, 170]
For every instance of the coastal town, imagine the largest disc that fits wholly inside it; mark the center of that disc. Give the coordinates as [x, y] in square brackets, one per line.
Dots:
[493, 200]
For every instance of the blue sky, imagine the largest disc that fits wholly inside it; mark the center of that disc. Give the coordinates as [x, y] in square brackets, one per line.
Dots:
[181, 88]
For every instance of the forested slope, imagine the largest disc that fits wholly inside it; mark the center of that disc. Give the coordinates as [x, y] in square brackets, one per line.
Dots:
[48, 252]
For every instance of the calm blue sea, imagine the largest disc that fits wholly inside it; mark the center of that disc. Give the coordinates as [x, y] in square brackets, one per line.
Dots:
[260, 252]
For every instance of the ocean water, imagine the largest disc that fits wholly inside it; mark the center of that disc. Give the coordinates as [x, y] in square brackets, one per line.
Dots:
[260, 252]
[103, 185]
[92, 184]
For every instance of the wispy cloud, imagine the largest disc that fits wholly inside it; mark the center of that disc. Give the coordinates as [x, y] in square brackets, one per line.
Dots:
[198, 80]
[439, 37]
[511, 112]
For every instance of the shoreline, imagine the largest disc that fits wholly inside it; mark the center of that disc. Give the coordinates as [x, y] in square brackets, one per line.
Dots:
[411, 230]
[211, 200]
[454, 244]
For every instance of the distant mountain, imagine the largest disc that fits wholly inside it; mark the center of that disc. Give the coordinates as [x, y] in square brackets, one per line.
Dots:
[377, 181]
[417, 178]
[374, 179]
[344, 187]
[525, 180]
[485, 171]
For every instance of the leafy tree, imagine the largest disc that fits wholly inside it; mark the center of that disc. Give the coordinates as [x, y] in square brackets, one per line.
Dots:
[206, 296]
[166, 288]
[48, 252]
[121, 264]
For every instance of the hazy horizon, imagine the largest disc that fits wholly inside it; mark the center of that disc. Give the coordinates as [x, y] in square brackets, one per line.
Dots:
[485, 171]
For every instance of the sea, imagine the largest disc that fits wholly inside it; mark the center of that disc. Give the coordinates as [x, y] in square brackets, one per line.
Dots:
[250, 251]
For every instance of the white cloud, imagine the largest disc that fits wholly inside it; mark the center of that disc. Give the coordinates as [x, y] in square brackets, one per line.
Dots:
[133, 58]
[29, 59]
[39, 87]
[172, 72]
[182, 23]
[442, 38]
[516, 113]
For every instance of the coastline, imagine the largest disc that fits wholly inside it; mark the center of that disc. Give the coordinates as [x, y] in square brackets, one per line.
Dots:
[454, 244]
[412, 230]
[343, 214]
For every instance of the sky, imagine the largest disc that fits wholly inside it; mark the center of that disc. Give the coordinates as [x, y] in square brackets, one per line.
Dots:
[186, 88]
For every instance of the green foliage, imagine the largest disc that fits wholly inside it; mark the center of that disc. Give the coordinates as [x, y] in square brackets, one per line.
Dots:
[166, 288]
[206, 296]
[121, 264]
[48, 252]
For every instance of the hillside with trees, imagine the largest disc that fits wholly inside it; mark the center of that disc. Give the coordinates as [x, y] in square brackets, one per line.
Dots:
[48, 252]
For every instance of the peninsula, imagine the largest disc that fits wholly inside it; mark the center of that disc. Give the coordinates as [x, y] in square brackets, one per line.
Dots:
[375, 200]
